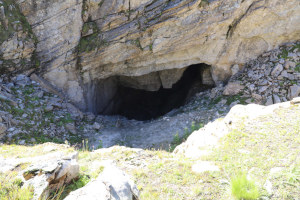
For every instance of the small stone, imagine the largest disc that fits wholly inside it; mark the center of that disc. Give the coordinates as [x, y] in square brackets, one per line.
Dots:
[233, 88]
[251, 87]
[22, 142]
[294, 91]
[40, 94]
[269, 101]
[290, 76]
[292, 64]
[2, 129]
[249, 101]
[296, 100]
[20, 77]
[284, 99]
[71, 127]
[281, 61]
[257, 96]
[277, 70]
[11, 129]
[276, 99]
[96, 126]
[263, 82]
[49, 108]
[10, 85]
[263, 89]
[284, 74]
[287, 65]
[268, 71]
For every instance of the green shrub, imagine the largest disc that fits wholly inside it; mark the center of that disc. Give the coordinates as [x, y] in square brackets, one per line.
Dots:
[244, 189]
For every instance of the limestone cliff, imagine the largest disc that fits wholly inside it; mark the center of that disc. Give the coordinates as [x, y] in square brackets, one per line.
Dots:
[87, 47]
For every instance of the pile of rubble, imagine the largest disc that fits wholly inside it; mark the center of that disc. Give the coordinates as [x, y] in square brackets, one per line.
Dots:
[272, 78]
[33, 112]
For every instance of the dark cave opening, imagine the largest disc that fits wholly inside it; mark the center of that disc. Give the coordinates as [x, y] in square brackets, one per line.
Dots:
[143, 105]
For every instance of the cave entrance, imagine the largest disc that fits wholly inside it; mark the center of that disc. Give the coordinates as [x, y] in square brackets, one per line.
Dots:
[141, 98]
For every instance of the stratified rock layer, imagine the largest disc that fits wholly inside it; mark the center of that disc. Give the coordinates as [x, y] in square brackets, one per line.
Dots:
[82, 43]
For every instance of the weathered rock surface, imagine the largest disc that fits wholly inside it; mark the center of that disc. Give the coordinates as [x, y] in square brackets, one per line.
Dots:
[79, 44]
[57, 25]
[51, 175]
[159, 35]
[47, 173]
[64, 120]
[17, 42]
[201, 142]
[111, 184]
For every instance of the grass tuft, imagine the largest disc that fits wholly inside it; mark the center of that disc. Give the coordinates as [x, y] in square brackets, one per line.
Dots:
[244, 189]
[11, 188]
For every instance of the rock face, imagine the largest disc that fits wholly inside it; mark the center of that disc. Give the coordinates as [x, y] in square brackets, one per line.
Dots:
[83, 46]
[17, 42]
[112, 184]
[57, 25]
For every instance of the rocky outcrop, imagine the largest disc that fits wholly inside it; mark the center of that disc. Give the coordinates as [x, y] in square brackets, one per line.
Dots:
[152, 36]
[202, 142]
[84, 45]
[111, 184]
[50, 176]
[46, 173]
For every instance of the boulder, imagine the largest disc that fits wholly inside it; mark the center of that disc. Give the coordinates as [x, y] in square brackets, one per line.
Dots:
[50, 176]
[277, 70]
[111, 184]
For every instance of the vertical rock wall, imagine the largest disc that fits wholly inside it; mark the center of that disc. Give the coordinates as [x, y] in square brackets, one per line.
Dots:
[57, 25]
[17, 41]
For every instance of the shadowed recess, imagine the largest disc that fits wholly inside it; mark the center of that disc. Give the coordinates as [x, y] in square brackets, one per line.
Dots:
[115, 97]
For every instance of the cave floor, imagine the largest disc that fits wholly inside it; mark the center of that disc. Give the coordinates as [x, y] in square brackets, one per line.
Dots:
[160, 133]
